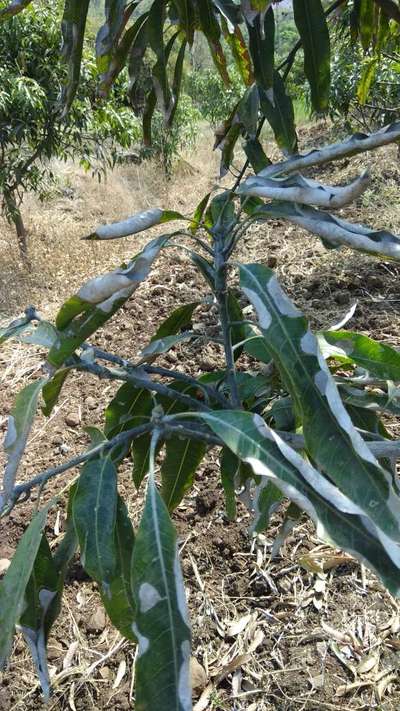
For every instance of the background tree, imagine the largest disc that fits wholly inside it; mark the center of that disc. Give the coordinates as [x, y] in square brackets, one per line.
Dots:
[32, 130]
[320, 455]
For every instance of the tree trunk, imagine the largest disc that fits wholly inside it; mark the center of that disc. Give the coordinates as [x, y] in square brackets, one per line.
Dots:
[15, 215]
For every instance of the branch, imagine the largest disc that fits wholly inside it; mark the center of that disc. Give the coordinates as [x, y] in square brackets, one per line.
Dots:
[164, 427]
[390, 9]
[138, 377]
[44, 476]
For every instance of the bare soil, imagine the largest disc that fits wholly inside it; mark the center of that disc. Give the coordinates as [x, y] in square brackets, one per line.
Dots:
[310, 629]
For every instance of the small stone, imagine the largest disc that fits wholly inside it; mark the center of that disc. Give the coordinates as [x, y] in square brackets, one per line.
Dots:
[272, 262]
[97, 621]
[91, 403]
[57, 440]
[105, 673]
[4, 565]
[206, 365]
[72, 419]
[342, 298]
[198, 675]
[54, 653]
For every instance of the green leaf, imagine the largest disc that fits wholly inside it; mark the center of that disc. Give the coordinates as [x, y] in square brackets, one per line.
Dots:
[367, 25]
[94, 516]
[131, 407]
[198, 213]
[367, 78]
[267, 498]
[14, 8]
[256, 155]
[238, 330]
[380, 360]
[40, 593]
[98, 300]
[280, 115]
[177, 80]
[14, 329]
[182, 458]
[179, 319]
[229, 465]
[19, 425]
[73, 30]
[13, 585]
[205, 268]
[186, 15]
[262, 50]
[331, 440]
[338, 519]
[52, 389]
[163, 345]
[117, 594]
[240, 53]
[162, 624]
[210, 27]
[155, 30]
[313, 29]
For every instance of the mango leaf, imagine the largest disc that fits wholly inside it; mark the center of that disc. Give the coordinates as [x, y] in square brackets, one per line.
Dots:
[234, 38]
[94, 516]
[117, 594]
[135, 59]
[19, 425]
[380, 360]
[186, 15]
[198, 213]
[205, 268]
[256, 154]
[335, 232]
[262, 51]
[367, 24]
[162, 624]
[179, 319]
[255, 345]
[163, 345]
[73, 31]
[248, 110]
[52, 389]
[339, 520]
[117, 15]
[311, 23]
[227, 147]
[177, 81]
[137, 223]
[292, 516]
[298, 189]
[14, 329]
[367, 78]
[371, 400]
[130, 407]
[98, 300]
[267, 498]
[43, 334]
[236, 318]
[229, 466]
[39, 594]
[330, 437]
[13, 585]
[182, 458]
[155, 31]
[210, 27]
[280, 115]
